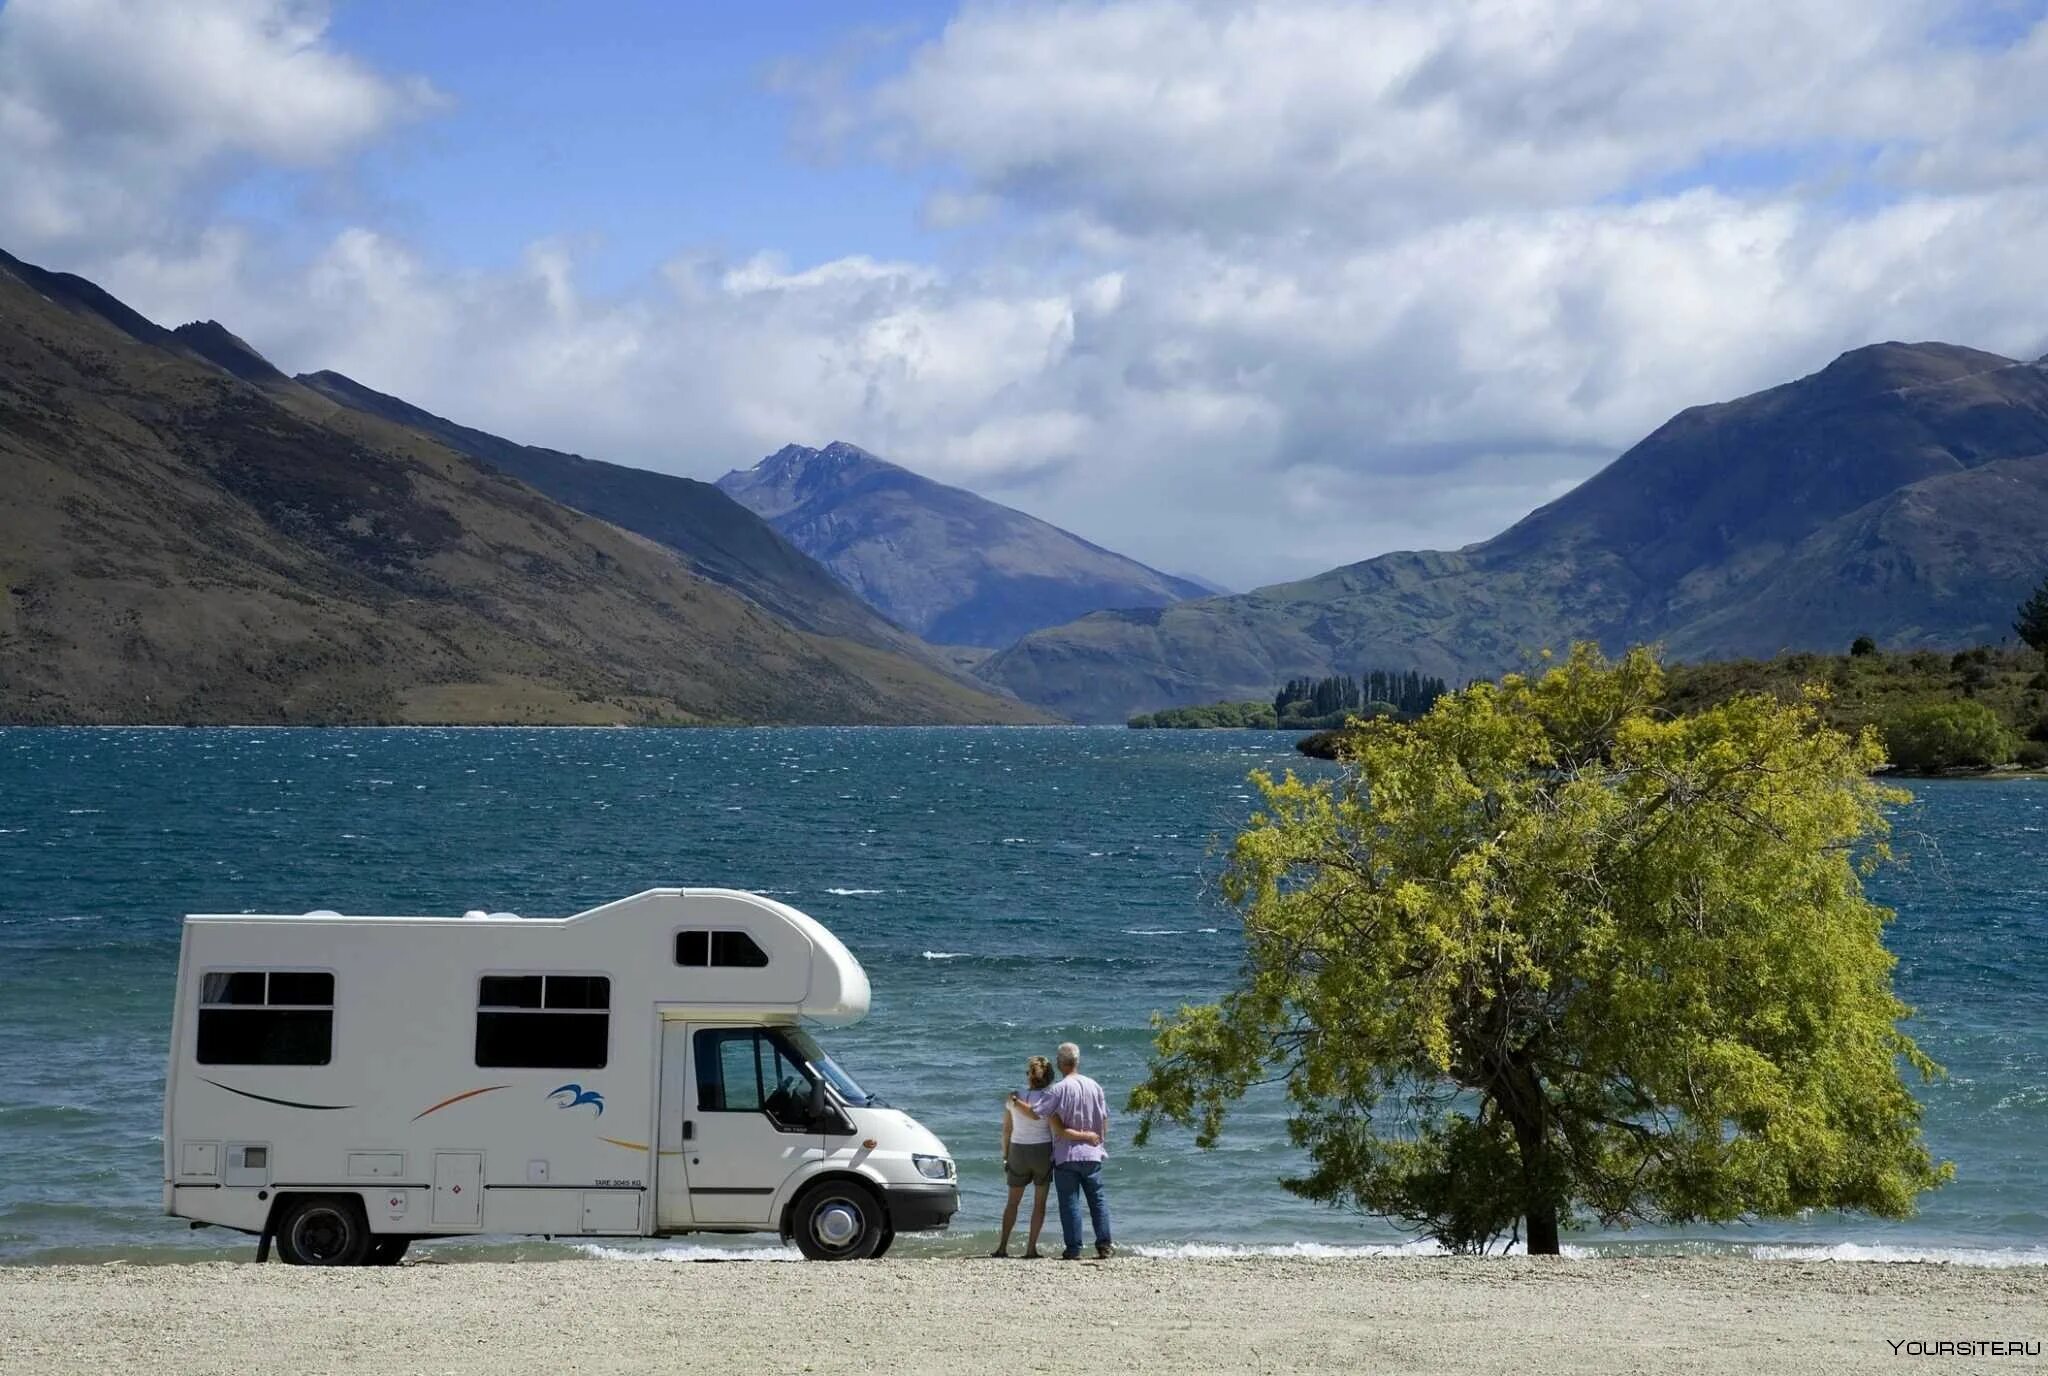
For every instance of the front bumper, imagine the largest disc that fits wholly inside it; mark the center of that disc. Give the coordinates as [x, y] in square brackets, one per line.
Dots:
[922, 1208]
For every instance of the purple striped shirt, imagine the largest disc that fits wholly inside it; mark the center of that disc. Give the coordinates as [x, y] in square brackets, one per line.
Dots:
[1080, 1104]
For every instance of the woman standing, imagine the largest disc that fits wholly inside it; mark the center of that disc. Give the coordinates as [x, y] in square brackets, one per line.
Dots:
[1027, 1156]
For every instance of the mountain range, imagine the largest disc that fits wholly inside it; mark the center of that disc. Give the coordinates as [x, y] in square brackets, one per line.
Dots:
[952, 566]
[1901, 492]
[188, 535]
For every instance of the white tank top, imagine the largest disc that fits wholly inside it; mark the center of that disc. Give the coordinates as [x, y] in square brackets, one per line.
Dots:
[1025, 1130]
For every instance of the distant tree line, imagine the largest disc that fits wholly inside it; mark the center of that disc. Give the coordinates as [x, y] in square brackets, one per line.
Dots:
[1410, 693]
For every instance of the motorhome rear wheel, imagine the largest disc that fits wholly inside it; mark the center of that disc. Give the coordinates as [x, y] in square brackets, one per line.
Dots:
[319, 1231]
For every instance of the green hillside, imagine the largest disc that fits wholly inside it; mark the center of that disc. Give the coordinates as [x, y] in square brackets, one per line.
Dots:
[1900, 492]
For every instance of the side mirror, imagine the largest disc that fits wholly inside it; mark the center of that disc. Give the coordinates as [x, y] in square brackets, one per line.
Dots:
[819, 1103]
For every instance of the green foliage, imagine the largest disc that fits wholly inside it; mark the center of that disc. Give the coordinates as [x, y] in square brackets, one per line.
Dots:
[2032, 624]
[1947, 735]
[2032, 755]
[1553, 955]
[1216, 714]
[1868, 690]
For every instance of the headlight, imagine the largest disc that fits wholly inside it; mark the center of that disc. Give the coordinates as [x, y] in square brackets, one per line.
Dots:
[933, 1167]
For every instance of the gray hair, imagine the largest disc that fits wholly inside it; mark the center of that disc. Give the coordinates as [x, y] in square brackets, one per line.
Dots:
[1069, 1056]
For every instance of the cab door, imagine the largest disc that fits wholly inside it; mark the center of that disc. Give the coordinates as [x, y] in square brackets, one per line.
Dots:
[746, 1123]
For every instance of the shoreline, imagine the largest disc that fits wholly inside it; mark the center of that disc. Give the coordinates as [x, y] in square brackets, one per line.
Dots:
[1418, 1314]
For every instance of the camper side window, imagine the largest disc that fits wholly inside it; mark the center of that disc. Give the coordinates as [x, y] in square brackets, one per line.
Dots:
[543, 1022]
[266, 1017]
[731, 949]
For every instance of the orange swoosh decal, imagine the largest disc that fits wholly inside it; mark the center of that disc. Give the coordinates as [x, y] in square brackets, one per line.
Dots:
[629, 1146]
[455, 1099]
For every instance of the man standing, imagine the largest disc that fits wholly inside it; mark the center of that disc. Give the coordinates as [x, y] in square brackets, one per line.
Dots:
[1079, 1115]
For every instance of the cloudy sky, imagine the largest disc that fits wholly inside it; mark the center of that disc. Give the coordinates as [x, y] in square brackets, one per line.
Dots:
[1245, 290]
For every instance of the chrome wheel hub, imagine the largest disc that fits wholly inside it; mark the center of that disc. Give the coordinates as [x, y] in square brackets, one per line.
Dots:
[837, 1224]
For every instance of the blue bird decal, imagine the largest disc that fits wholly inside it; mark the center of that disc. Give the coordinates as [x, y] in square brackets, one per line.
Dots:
[576, 1096]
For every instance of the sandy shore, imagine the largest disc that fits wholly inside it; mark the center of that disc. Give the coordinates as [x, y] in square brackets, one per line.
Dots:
[1127, 1316]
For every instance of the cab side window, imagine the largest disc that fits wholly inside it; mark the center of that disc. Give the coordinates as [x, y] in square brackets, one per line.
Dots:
[746, 1070]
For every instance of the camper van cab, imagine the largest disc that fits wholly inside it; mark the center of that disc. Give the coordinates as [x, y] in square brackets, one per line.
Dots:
[345, 1085]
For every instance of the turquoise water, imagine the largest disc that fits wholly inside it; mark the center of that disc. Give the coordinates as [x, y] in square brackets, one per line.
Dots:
[1006, 889]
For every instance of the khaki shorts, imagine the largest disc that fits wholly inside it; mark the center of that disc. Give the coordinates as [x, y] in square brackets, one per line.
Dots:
[1029, 1163]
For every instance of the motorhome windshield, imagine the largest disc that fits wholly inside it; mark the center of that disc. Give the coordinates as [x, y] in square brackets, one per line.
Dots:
[849, 1090]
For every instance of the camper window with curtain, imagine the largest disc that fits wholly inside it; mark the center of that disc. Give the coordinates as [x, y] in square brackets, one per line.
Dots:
[543, 1022]
[266, 1017]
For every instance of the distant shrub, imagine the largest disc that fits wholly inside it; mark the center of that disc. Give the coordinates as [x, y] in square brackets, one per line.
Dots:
[1947, 735]
[1863, 645]
[2032, 754]
[2040, 731]
[1215, 714]
[1924, 662]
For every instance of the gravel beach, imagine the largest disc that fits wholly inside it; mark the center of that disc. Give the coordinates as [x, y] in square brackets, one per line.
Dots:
[1127, 1316]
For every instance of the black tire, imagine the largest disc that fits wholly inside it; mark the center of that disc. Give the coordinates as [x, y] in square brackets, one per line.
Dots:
[386, 1250]
[323, 1230]
[838, 1220]
[882, 1247]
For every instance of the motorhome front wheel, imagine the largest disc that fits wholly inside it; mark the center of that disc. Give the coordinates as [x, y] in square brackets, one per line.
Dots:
[837, 1221]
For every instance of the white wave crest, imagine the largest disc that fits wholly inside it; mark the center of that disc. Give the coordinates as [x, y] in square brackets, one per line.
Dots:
[1854, 1252]
[688, 1251]
[1997, 1257]
[1319, 1251]
[944, 955]
[844, 893]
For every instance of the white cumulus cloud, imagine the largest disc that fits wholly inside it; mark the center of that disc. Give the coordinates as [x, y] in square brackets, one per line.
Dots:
[1244, 290]
[113, 113]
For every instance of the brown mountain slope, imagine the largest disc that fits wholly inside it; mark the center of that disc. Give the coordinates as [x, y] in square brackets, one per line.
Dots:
[177, 544]
[715, 535]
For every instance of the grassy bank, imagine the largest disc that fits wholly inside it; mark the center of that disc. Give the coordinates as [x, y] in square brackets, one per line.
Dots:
[1937, 710]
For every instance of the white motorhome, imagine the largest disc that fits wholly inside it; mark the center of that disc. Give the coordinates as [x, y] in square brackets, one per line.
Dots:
[348, 1084]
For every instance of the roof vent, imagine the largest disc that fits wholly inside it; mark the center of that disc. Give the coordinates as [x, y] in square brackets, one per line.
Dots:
[474, 913]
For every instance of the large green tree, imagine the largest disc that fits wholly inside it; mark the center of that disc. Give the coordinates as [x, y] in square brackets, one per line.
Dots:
[1551, 956]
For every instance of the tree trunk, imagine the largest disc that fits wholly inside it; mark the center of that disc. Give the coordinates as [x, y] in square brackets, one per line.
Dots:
[1525, 1106]
[1541, 1222]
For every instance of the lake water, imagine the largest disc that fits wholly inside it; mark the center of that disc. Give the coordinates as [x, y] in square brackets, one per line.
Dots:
[1006, 889]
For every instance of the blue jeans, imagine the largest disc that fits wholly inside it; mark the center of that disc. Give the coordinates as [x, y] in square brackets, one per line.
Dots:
[1071, 1180]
